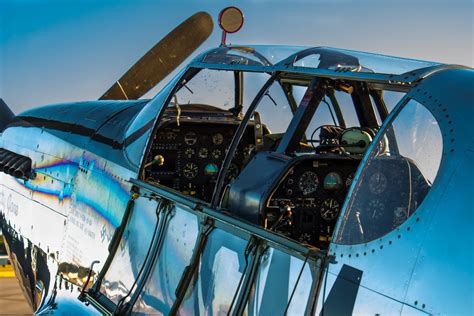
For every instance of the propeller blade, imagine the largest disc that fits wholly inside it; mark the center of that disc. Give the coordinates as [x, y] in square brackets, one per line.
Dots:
[162, 59]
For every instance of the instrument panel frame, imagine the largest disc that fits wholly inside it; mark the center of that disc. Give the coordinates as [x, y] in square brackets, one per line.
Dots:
[249, 196]
[213, 120]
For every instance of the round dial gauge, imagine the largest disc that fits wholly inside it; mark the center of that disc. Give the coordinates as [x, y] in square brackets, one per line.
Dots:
[189, 152]
[248, 150]
[375, 209]
[190, 138]
[217, 139]
[190, 170]
[216, 153]
[203, 153]
[400, 215]
[377, 183]
[232, 172]
[349, 179]
[211, 169]
[332, 181]
[308, 182]
[329, 209]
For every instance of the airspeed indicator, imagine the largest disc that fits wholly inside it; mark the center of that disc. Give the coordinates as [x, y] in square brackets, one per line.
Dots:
[308, 182]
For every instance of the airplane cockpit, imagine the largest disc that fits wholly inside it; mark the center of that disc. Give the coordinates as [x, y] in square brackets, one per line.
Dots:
[279, 150]
[261, 180]
[244, 157]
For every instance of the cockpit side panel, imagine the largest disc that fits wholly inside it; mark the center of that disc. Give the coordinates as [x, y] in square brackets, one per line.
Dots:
[429, 250]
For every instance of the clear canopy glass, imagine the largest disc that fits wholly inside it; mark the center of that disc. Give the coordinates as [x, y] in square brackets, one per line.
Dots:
[296, 57]
[252, 55]
[342, 60]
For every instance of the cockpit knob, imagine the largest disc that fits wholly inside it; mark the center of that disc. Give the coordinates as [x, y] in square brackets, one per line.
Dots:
[157, 160]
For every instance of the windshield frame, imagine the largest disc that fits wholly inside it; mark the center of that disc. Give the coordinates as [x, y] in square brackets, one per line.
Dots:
[401, 80]
[371, 152]
[363, 164]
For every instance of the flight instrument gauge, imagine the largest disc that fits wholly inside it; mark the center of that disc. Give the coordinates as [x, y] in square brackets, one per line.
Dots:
[232, 172]
[376, 209]
[190, 138]
[377, 183]
[216, 153]
[190, 170]
[248, 150]
[217, 139]
[211, 169]
[329, 209]
[332, 181]
[203, 153]
[308, 182]
[189, 152]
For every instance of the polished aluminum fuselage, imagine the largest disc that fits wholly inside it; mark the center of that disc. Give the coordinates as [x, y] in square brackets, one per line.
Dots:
[87, 157]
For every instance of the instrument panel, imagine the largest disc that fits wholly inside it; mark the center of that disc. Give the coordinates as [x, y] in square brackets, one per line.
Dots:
[391, 190]
[193, 154]
[307, 201]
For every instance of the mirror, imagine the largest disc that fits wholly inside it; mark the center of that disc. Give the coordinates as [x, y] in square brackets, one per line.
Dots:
[231, 19]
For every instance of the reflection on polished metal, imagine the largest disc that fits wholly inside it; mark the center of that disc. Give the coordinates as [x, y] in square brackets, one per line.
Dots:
[75, 274]
[239, 189]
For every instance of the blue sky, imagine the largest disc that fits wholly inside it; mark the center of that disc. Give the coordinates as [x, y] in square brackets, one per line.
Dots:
[58, 51]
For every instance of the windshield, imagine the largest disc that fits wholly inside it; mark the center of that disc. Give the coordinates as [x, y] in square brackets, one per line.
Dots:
[197, 128]
[251, 55]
